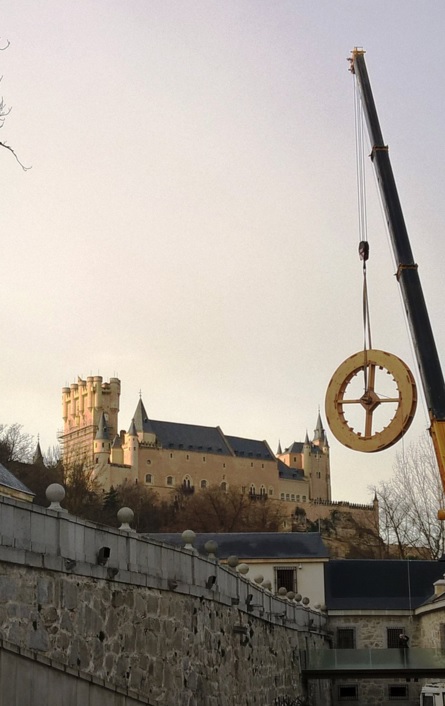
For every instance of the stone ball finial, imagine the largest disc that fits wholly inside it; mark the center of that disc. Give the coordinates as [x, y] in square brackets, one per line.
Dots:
[232, 561]
[267, 585]
[125, 515]
[282, 591]
[290, 595]
[243, 569]
[210, 547]
[188, 537]
[298, 597]
[55, 493]
[258, 579]
[306, 601]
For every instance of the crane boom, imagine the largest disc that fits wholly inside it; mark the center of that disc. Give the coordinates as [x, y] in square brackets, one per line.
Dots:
[407, 272]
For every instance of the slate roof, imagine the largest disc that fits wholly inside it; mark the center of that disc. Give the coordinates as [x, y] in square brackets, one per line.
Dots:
[194, 437]
[174, 435]
[250, 448]
[290, 473]
[256, 545]
[379, 584]
[10, 481]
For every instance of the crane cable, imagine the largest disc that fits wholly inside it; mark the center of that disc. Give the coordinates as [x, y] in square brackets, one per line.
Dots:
[363, 247]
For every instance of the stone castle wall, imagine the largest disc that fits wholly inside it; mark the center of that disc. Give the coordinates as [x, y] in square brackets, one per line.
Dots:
[147, 620]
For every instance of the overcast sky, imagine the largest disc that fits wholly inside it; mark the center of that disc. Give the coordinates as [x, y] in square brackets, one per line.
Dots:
[189, 223]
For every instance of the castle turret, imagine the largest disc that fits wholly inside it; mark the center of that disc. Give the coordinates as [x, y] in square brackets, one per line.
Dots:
[37, 459]
[143, 425]
[102, 444]
[117, 454]
[131, 447]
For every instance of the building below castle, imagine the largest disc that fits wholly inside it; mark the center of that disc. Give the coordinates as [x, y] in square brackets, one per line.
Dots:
[167, 455]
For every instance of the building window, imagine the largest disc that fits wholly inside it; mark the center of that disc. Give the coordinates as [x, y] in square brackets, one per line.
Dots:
[397, 691]
[223, 486]
[252, 490]
[203, 484]
[348, 692]
[262, 465]
[148, 462]
[187, 482]
[270, 491]
[318, 474]
[204, 459]
[282, 496]
[251, 465]
[286, 578]
[187, 458]
[304, 498]
[345, 638]
[287, 496]
[295, 459]
[169, 480]
[292, 497]
[149, 478]
[171, 455]
[263, 490]
[298, 498]
[392, 636]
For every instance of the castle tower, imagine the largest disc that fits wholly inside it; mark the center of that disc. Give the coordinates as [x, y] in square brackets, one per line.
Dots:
[131, 448]
[83, 404]
[318, 463]
[117, 454]
[102, 445]
[143, 427]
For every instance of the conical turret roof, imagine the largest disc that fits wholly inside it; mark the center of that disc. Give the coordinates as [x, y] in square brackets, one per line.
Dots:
[102, 430]
[141, 420]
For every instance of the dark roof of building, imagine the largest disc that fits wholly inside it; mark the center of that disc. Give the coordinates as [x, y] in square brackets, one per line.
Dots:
[141, 420]
[8, 480]
[288, 472]
[256, 545]
[379, 584]
[102, 431]
[174, 435]
[250, 448]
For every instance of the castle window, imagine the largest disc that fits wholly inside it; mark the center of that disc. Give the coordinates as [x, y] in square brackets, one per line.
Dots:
[251, 465]
[169, 480]
[187, 458]
[171, 455]
[252, 489]
[224, 465]
[304, 498]
[148, 462]
[295, 459]
[285, 578]
[392, 636]
[203, 459]
[345, 639]
[348, 692]
[282, 496]
[318, 474]
[263, 490]
[203, 484]
[270, 491]
[223, 486]
[287, 496]
[298, 498]
[398, 691]
[148, 478]
[262, 465]
[292, 497]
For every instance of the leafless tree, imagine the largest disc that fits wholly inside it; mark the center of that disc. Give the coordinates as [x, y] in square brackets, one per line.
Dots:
[15, 445]
[409, 502]
[4, 112]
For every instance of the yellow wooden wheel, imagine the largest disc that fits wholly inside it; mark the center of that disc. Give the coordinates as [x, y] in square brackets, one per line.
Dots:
[363, 433]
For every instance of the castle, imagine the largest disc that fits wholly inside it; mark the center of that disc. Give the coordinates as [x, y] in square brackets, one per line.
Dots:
[164, 455]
